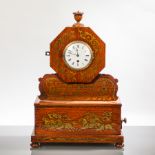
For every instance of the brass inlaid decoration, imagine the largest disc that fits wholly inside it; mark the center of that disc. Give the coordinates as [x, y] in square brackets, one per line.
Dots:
[52, 88]
[64, 39]
[89, 120]
[57, 121]
[88, 37]
[94, 121]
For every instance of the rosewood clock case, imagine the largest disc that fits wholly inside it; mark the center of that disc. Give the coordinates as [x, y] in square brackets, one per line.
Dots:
[77, 106]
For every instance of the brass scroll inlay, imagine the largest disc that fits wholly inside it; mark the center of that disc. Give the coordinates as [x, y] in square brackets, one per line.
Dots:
[57, 121]
[89, 120]
[88, 37]
[52, 88]
[94, 121]
[65, 38]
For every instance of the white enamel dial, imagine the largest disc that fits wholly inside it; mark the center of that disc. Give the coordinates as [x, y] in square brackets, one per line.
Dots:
[78, 55]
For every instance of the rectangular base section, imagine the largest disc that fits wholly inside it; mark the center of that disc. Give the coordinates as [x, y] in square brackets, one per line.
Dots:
[112, 139]
[77, 122]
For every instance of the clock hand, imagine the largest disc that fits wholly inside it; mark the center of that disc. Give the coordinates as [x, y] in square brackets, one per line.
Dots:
[77, 54]
[72, 53]
[77, 62]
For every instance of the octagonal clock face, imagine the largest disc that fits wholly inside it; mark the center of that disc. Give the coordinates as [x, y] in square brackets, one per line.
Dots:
[78, 55]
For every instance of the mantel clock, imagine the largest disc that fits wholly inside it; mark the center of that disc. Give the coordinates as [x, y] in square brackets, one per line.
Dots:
[77, 104]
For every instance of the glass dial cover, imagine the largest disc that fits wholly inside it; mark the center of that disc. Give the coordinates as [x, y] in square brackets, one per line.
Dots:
[78, 55]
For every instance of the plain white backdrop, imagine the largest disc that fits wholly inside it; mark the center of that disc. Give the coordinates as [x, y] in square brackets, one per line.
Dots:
[28, 26]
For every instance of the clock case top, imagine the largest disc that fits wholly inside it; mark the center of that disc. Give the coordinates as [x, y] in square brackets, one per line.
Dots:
[58, 45]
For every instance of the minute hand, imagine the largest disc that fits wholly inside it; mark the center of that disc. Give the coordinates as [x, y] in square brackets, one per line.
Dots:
[77, 54]
[72, 53]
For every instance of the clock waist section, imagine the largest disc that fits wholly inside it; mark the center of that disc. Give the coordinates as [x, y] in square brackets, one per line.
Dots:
[103, 88]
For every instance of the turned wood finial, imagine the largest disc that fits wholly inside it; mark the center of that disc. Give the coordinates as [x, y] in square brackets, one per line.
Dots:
[78, 17]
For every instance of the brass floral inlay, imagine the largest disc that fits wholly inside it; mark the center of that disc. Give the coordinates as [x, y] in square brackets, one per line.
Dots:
[90, 38]
[94, 121]
[57, 121]
[89, 120]
[52, 88]
[65, 38]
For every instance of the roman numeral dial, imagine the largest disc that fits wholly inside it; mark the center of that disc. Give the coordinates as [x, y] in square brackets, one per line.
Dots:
[78, 55]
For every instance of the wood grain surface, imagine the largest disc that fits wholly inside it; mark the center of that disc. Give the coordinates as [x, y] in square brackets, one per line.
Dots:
[58, 45]
[103, 88]
[77, 121]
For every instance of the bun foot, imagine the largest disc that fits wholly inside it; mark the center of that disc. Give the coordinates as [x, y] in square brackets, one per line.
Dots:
[35, 145]
[119, 145]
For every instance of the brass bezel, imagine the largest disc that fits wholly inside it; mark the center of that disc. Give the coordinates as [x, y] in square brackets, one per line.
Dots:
[91, 52]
